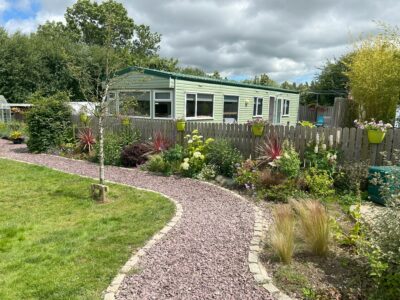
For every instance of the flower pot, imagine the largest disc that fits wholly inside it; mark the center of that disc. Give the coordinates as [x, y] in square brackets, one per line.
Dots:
[180, 125]
[257, 129]
[18, 141]
[376, 136]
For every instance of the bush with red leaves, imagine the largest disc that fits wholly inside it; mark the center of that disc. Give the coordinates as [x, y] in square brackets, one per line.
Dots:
[135, 154]
[86, 139]
[159, 143]
[270, 149]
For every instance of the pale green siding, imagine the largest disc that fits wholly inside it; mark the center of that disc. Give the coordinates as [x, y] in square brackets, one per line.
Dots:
[139, 80]
[245, 111]
[133, 80]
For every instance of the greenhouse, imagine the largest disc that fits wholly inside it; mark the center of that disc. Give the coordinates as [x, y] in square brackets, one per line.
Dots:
[5, 110]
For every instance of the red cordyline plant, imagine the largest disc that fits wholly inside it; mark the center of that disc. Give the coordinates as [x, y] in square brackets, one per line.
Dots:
[158, 144]
[270, 150]
[86, 139]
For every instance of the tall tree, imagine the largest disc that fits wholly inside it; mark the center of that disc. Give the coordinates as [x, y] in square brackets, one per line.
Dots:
[263, 79]
[88, 21]
[375, 75]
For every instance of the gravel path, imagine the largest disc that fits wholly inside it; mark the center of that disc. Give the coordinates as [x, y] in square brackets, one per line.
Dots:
[203, 257]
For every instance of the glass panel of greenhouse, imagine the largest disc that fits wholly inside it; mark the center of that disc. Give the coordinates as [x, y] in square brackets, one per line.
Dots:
[5, 110]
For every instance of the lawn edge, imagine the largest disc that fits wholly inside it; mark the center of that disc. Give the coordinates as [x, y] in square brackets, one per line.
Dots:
[258, 270]
[111, 292]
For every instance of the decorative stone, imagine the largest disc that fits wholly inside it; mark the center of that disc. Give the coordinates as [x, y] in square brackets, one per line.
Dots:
[254, 268]
[253, 257]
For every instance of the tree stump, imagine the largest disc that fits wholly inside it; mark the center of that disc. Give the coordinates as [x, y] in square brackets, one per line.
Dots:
[98, 192]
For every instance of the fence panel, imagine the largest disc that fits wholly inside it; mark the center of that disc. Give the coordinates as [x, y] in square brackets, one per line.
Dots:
[353, 143]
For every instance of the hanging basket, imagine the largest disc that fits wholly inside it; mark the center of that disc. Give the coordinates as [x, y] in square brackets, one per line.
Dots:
[257, 129]
[180, 125]
[376, 136]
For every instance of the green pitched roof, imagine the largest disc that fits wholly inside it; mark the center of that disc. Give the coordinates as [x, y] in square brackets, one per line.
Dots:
[202, 79]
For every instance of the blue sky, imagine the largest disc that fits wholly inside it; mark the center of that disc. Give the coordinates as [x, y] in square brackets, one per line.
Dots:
[19, 10]
[288, 40]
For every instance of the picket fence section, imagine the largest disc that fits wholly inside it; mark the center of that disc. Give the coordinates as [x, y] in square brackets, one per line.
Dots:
[351, 142]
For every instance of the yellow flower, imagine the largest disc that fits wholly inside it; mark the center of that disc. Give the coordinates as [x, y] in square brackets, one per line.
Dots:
[209, 140]
[195, 131]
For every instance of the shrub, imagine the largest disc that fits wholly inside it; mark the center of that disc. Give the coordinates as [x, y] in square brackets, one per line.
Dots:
[282, 233]
[174, 154]
[321, 157]
[281, 192]
[134, 155]
[289, 163]
[7, 128]
[319, 182]
[87, 139]
[112, 150]
[15, 135]
[352, 177]
[208, 172]
[128, 136]
[269, 177]
[314, 224]
[247, 175]
[157, 164]
[194, 158]
[48, 122]
[223, 156]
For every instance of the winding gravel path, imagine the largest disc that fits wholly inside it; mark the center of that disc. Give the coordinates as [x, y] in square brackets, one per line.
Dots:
[203, 257]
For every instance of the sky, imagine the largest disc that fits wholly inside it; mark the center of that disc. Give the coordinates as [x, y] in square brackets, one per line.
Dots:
[287, 39]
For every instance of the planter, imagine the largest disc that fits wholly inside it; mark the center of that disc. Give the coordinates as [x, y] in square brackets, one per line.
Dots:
[376, 136]
[180, 125]
[257, 129]
[18, 141]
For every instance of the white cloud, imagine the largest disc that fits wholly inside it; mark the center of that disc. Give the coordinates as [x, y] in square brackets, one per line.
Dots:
[4, 5]
[25, 26]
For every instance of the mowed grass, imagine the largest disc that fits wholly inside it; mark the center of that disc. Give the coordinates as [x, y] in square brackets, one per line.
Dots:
[57, 243]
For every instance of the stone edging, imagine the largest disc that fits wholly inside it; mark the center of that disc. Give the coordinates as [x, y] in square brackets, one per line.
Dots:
[112, 289]
[256, 267]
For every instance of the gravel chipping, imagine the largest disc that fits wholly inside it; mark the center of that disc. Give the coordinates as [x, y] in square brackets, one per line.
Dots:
[203, 257]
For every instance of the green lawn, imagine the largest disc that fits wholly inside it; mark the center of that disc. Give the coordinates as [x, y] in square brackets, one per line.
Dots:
[56, 243]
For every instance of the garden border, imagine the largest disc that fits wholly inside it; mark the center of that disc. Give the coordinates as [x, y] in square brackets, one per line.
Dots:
[112, 289]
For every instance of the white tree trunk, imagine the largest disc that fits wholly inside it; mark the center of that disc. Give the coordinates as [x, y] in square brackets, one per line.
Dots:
[102, 113]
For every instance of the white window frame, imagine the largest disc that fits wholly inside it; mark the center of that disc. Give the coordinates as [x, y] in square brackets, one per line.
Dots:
[283, 114]
[139, 91]
[237, 121]
[195, 106]
[171, 99]
[262, 107]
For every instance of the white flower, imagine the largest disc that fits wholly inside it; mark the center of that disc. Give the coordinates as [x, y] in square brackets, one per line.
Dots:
[186, 160]
[185, 166]
[272, 164]
[324, 147]
[334, 156]
[190, 141]
[286, 155]
[197, 154]
[316, 149]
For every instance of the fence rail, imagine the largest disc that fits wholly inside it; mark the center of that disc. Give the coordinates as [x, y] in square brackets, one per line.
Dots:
[352, 142]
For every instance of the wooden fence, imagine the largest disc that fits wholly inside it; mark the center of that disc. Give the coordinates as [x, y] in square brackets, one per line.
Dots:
[352, 142]
[334, 116]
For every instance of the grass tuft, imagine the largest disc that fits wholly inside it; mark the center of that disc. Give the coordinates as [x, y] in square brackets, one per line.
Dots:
[314, 224]
[282, 233]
